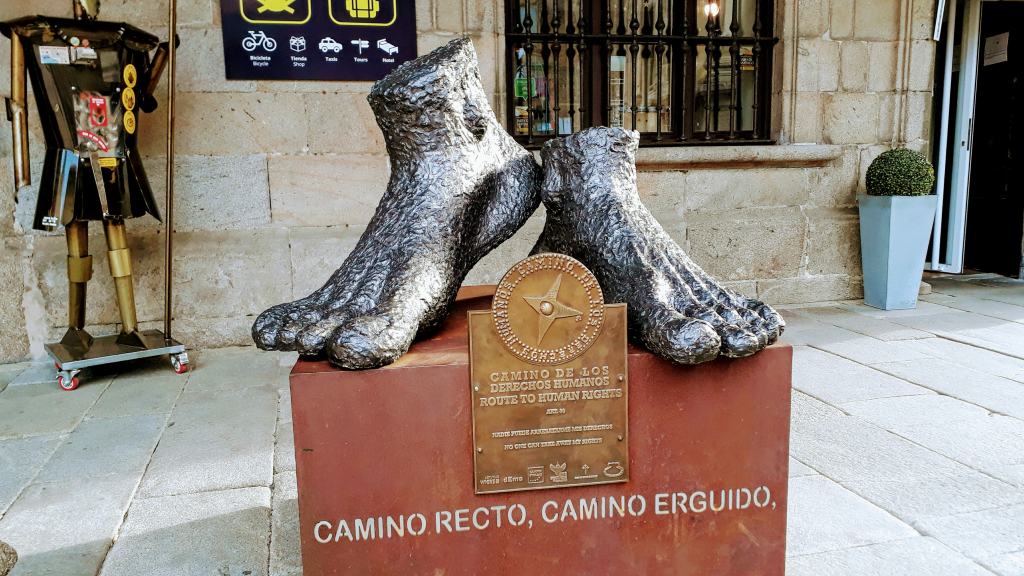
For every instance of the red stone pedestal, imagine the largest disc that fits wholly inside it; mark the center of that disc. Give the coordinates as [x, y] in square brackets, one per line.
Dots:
[385, 473]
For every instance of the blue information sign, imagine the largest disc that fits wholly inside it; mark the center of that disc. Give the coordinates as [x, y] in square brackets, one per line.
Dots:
[316, 39]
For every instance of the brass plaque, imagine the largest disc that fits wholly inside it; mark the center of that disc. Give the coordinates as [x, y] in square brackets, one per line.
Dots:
[549, 381]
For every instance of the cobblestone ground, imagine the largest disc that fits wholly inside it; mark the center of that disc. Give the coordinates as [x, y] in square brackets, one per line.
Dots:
[907, 451]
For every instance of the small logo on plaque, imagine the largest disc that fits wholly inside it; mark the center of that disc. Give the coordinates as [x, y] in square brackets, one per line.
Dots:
[535, 475]
[614, 470]
[558, 474]
[549, 380]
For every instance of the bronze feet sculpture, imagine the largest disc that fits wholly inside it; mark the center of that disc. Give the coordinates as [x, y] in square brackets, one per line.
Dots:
[460, 186]
[594, 214]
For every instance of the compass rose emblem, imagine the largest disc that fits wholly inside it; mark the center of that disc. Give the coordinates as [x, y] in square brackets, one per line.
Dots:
[548, 309]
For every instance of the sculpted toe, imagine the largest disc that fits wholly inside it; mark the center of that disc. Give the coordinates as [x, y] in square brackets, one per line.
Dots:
[683, 340]
[738, 343]
[266, 327]
[364, 343]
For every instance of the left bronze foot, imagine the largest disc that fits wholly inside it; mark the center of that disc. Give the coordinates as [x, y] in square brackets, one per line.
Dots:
[459, 187]
[594, 214]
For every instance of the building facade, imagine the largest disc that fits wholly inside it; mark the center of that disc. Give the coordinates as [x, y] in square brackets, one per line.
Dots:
[275, 181]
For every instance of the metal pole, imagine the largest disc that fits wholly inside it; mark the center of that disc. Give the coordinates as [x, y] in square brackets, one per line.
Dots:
[19, 114]
[172, 27]
[947, 95]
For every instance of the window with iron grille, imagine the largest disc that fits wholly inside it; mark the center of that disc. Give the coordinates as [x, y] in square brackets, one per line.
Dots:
[680, 72]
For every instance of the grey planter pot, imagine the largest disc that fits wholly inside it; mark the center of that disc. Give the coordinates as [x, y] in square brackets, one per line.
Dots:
[894, 233]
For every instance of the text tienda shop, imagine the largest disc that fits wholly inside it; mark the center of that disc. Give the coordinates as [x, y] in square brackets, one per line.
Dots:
[550, 512]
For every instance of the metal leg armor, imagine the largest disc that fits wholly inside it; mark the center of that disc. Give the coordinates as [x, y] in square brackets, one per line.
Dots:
[79, 273]
[119, 257]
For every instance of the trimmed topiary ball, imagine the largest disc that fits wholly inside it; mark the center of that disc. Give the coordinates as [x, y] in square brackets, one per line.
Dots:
[900, 172]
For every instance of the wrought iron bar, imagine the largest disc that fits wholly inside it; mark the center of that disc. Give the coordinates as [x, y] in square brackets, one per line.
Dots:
[608, 62]
[530, 82]
[556, 51]
[545, 52]
[659, 51]
[709, 27]
[687, 48]
[734, 62]
[586, 88]
[758, 78]
[634, 49]
[570, 57]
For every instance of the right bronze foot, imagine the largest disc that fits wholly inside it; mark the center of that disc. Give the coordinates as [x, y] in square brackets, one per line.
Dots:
[460, 186]
[594, 214]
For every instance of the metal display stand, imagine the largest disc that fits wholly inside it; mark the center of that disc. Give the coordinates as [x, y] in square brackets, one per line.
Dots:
[69, 355]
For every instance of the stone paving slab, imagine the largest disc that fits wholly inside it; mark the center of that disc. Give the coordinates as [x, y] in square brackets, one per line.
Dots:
[999, 289]
[836, 380]
[64, 529]
[285, 554]
[981, 535]
[148, 392]
[971, 357]
[909, 480]
[866, 350]
[1010, 564]
[9, 372]
[215, 441]
[105, 447]
[232, 368]
[988, 442]
[845, 448]
[866, 325]
[991, 392]
[43, 408]
[807, 334]
[924, 308]
[917, 499]
[911, 557]
[36, 373]
[974, 329]
[825, 516]
[284, 405]
[223, 532]
[798, 469]
[982, 306]
[20, 461]
[284, 449]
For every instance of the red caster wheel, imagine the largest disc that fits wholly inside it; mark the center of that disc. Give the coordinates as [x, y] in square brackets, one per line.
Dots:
[180, 363]
[67, 382]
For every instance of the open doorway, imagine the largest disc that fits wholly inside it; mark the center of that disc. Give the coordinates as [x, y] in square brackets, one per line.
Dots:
[979, 130]
[994, 240]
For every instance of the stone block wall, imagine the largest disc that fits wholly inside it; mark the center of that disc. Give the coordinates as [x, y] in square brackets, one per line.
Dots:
[277, 180]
